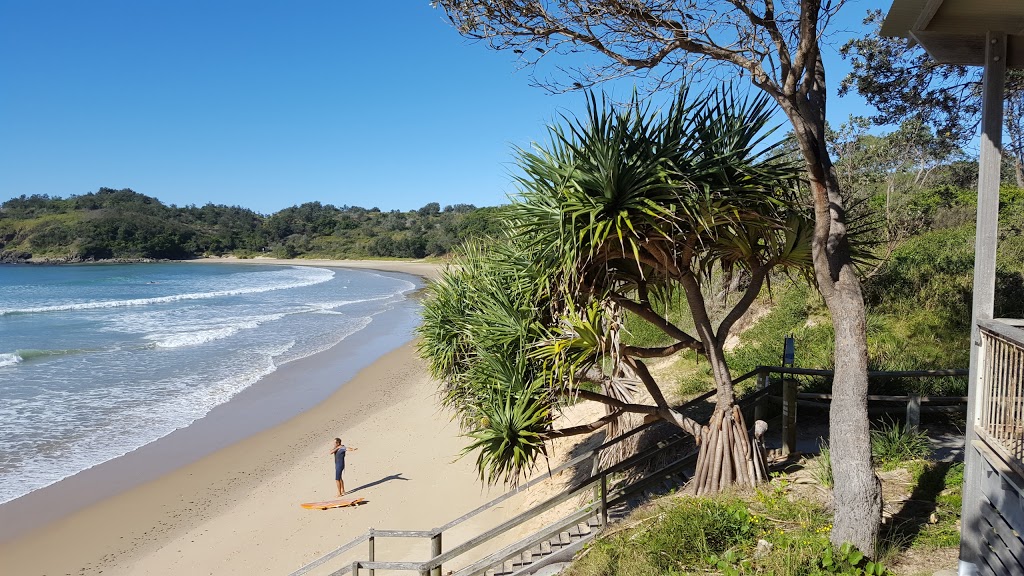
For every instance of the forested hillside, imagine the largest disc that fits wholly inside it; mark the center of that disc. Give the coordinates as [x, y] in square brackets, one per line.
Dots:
[913, 202]
[113, 224]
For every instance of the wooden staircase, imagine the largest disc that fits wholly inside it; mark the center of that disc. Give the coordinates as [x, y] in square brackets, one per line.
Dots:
[555, 548]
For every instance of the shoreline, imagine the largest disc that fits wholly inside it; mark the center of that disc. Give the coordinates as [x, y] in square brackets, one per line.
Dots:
[421, 268]
[141, 502]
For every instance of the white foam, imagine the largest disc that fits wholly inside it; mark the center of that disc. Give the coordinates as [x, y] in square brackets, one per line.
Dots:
[327, 344]
[124, 417]
[319, 276]
[137, 426]
[181, 336]
[332, 304]
[179, 339]
[9, 360]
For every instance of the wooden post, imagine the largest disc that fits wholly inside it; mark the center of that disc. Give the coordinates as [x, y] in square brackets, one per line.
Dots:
[788, 416]
[595, 467]
[914, 412]
[372, 556]
[604, 501]
[435, 551]
[972, 546]
[355, 568]
[760, 408]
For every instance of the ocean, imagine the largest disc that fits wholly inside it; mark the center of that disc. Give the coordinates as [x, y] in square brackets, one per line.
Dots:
[99, 360]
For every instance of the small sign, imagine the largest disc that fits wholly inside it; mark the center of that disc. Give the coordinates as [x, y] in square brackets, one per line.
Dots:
[788, 352]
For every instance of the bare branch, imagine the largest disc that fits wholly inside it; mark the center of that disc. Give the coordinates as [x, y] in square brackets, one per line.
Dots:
[616, 403]
[660, 322]
[662, 352]
[758, 275]
[583, 428]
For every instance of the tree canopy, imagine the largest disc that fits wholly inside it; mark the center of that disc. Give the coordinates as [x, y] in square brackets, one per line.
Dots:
[126, 224]
[618, 212]
[903, 83]
[775, 45]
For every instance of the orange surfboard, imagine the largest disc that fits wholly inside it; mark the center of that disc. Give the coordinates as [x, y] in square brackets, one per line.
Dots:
[332, 504]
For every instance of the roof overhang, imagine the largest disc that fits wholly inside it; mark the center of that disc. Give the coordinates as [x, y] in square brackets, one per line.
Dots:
[954, 31]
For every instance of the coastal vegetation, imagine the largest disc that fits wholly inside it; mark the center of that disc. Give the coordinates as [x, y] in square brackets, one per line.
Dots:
[669, 42]
[783, 528]
[622, 212]
[124, 224]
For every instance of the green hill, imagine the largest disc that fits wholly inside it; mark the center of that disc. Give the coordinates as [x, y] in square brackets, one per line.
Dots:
[123, 224]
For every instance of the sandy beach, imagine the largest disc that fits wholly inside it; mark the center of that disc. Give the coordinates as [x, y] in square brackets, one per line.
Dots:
[236, 511]
[424, 269]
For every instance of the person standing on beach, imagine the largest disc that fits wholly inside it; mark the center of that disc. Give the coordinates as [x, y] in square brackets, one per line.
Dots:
[339, 452]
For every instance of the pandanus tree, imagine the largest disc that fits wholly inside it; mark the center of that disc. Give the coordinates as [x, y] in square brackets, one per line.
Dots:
[623, 213]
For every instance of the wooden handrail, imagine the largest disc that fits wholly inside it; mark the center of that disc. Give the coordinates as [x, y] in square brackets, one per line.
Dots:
[878, 398]
[532, 540]
[331, 555]
[582, 457]
[1001, 326]
[871, 373]
[404, 533]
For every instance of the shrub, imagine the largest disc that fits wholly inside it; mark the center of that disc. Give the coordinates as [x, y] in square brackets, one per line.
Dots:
[893, 445]
[823, 467]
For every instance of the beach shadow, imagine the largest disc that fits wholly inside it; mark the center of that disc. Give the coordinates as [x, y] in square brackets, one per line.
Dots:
[376, 482]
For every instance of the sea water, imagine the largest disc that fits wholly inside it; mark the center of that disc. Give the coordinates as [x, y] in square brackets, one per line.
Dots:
[98, 360]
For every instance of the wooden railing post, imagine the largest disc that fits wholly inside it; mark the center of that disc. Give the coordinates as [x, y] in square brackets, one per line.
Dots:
[788, 416]
[914, 412]
[760, 408]
[604, 501]
[435, 551]
[371, 555]
[355, 568]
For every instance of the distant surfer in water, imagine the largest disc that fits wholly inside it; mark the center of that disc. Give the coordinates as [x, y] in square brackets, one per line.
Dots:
[339, 451]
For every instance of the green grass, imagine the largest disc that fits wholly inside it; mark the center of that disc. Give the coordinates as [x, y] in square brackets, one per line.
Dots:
[718, 535]
[822, 466]
[930, 519]
[893, 445]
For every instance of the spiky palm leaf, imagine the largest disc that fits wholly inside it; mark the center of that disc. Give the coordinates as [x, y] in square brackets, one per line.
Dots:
[509, 436]
[616, 200]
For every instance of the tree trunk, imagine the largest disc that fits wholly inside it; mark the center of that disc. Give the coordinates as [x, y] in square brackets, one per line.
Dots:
[857, 491]
[727, 456]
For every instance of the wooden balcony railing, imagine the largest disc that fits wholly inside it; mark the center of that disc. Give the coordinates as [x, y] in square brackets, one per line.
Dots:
[1001, 390]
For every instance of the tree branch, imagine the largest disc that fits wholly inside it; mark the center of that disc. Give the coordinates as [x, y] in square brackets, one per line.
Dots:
[583, 428]
[660, 322]
[758, 275]
[616, 403]
[662, 352]
[664, 411]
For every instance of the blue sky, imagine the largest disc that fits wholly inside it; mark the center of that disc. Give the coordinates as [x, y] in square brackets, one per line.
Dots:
[270, 104]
